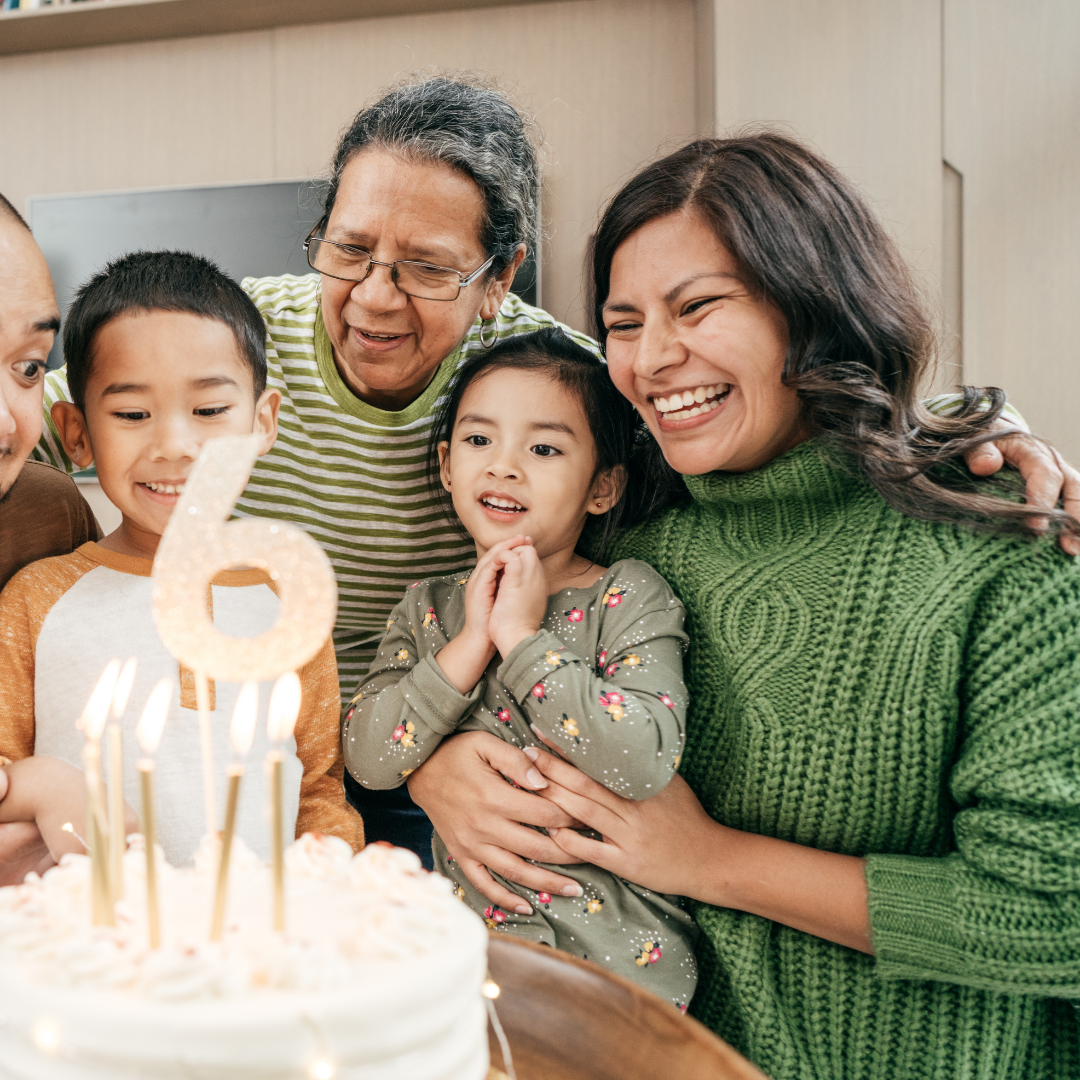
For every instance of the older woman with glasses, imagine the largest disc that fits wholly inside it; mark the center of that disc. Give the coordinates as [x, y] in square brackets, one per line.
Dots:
[431, 206]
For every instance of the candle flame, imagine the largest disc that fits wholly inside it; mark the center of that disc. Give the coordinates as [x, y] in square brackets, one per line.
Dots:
[97, 707]
[284, 707]
[244, 716]
[122, 691]
[152, 722]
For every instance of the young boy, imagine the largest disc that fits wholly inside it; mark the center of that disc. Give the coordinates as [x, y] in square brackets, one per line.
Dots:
[163, 352]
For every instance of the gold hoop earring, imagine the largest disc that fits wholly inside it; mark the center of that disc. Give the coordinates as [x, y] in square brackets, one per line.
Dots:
[483, 323]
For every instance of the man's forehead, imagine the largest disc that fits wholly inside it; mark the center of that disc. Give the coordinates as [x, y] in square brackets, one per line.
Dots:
[27, 299]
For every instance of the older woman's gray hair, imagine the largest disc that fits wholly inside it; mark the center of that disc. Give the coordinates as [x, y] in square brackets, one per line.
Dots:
[470, 127]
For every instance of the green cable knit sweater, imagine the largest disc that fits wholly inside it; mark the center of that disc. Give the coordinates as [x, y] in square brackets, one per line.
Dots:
[865, 683]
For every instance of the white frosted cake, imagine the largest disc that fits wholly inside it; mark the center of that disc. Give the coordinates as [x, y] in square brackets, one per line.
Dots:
[379, 974]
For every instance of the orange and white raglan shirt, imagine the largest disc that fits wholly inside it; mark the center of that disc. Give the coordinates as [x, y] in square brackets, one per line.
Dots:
[63, 619]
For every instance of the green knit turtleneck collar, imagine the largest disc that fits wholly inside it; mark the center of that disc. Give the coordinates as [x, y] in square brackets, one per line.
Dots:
[807, 473]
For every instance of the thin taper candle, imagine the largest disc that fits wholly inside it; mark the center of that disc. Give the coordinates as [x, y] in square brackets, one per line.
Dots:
[117, 831]
[118, 837]
[148, 732]
[101, 891]
[153, 919]
[206, 744]
[92, 723]
[277, 822]
[241, 733]
[280, 724]
[222, 891]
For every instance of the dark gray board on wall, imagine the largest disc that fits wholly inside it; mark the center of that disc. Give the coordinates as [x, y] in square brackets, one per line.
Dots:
[248, 229]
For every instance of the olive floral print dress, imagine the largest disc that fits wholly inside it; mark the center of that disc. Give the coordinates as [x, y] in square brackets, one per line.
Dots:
[602, 680]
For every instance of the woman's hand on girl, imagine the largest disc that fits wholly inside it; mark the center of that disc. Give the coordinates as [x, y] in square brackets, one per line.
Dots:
[668, 843]
[521, 602]
[482, 819]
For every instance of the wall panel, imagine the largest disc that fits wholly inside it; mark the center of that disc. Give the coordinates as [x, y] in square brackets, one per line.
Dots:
[610, 82]
[1012, 117]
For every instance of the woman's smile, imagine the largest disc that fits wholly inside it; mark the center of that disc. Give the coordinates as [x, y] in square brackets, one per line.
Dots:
[678, 410]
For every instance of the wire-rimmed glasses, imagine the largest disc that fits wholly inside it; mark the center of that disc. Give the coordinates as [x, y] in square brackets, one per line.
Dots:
[424, 280]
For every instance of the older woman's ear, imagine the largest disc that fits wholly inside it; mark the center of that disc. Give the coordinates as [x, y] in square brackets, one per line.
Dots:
[500, 284]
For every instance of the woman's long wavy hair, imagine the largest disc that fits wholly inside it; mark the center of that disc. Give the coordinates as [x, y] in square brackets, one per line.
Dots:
[860, 342]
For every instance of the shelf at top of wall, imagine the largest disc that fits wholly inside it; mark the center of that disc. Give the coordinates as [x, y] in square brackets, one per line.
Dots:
[110, 22]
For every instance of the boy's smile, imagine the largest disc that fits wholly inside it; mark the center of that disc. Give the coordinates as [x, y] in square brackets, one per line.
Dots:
[162, 383]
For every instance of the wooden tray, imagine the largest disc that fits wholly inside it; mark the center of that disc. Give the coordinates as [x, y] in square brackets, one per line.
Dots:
[566, 1019]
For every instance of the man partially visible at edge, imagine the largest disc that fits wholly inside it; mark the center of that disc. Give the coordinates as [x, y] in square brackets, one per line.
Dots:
[41, 510]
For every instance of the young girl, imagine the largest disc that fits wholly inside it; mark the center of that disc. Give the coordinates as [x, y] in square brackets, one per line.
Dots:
[540, 641]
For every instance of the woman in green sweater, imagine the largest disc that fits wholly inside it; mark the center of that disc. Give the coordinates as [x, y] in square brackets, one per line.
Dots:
[879, 826]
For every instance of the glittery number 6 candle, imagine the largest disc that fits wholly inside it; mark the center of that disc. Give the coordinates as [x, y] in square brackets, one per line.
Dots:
[200, 541]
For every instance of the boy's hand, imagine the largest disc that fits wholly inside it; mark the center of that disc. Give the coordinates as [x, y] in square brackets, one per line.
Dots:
[22, 850]
[51, 793]
[467, 656]
[521, 603]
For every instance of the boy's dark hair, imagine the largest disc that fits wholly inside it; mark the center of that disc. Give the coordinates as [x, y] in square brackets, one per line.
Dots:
[610, 415]
[160, 281]
[7, 210]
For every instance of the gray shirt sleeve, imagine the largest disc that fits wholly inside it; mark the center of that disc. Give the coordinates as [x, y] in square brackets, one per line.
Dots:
[405, 706]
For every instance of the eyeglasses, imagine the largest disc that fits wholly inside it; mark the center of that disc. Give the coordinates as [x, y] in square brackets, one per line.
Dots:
[414, 278]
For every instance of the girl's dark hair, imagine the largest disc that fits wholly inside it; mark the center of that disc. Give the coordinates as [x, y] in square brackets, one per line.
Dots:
[551, 352]
[860, 342]
[160, 281]
[465, 123]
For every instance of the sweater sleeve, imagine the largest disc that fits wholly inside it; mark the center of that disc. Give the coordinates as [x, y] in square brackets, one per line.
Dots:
[322, 796]
[18, 636]
[623, 722]
[403, 709]
[1002, 911]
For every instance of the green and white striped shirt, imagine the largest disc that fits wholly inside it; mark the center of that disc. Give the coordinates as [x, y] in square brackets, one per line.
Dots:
[353, 476]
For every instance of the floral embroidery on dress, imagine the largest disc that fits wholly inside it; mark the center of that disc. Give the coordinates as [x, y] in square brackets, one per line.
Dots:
[494, 917]
[503, 716]
[405, 773]
[405, 734]
[601, 660]
[649, 954]
[459, 892]
[539, 693]
[544, 899]
[402, 655]
[594, 905]
[574, 615]
[665, 698]
[613, 596]
[414, 584]
[569, 725]
[390, 622]
[613, 704]
[464, 579]
[431, 619]
[553, 659]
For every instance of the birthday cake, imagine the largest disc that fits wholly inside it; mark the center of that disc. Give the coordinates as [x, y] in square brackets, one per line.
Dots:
[379, 973]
